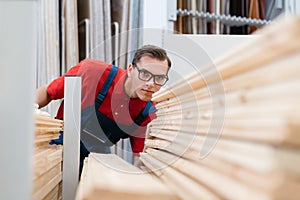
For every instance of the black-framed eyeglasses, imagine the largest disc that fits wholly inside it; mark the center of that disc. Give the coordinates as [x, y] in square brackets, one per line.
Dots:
[145, 75]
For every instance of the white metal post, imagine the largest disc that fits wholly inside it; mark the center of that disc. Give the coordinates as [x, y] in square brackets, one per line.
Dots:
[172, 14]
[18, 35]
[72, 116]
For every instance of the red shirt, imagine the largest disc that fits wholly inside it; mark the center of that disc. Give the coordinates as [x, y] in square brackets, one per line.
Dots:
[116, 105]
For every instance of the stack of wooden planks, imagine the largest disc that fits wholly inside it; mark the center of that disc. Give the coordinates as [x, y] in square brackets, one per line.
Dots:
[46, 128]
[107, 176]
[47, 161]
[232, 131]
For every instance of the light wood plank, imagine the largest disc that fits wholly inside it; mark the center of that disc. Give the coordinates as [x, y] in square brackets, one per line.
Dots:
[47, 188]
[47, 160]
[46, 177]
[231, 65]
[182, 185]
[222, 183]
[113, 178]
[256, 157]
[53, 194]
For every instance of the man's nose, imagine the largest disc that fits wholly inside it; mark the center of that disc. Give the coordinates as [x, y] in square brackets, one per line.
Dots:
[150, 81]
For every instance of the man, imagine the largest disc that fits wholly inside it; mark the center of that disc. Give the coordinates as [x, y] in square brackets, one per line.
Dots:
[121, 108]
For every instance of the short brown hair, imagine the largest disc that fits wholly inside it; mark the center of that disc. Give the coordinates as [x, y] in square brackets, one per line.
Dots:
[153, 52]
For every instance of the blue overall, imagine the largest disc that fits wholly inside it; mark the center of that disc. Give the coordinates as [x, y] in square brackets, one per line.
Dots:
[98, 132]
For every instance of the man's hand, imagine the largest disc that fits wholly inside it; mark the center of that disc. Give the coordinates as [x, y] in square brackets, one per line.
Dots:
[42, 96]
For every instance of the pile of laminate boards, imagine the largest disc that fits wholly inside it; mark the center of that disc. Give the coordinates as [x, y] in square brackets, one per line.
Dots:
[107, 176]
[47, 159]
[231, 131]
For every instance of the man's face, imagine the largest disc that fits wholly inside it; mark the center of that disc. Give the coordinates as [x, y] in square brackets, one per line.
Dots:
[145, 69]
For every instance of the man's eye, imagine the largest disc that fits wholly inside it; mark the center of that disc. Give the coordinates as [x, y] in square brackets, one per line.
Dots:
[145, 73]
[160, 77]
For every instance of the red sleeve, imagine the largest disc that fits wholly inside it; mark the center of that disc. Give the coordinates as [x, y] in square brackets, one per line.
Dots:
[137, 140]
[56, 88]
[137, 144]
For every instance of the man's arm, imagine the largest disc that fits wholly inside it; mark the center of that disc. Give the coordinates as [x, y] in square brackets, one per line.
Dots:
[42, 96]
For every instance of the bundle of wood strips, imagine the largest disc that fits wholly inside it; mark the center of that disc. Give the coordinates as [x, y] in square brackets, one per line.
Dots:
[47, 161]
[232, 131]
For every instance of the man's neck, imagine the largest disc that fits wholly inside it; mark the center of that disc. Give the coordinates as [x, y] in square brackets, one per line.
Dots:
[128, 88]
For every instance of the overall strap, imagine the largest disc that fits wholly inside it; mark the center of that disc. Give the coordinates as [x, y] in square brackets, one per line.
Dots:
[101, 95]
[143, 114]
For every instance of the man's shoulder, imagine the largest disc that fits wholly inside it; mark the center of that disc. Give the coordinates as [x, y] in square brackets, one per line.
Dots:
[93, 68]
[92, 63]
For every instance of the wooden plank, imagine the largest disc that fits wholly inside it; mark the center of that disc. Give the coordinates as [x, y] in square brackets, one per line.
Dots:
[72, 55]
[107, 31]
[44, 178]
[231, 65]
[51, 50]
[53, 194]
[97, 30]
[257, 157]
[193, 19]
[245, 112]
[39, 113]
[281, 92]
[184, 186]
[46, 160]
[41, 119]
[254, 13]
[284, 133]
[269, 182]
[41, 144]
[60, 191]
[262, 109]
[45, 129]
[47, 151]
[124, 35]
[179, 21]
[49, 121]
[156, 143]
[278, 78]
[40, 151]
[99, 178]
[45, 139]
[220, 183]
[41, 124]
[266, 121]
[283, 81]
[46, 125]
[47, 188]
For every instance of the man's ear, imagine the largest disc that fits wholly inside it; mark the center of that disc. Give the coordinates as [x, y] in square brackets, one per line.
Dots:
[129, 69]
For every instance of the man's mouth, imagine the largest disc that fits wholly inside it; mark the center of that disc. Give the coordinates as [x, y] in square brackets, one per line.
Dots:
[148, 91]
